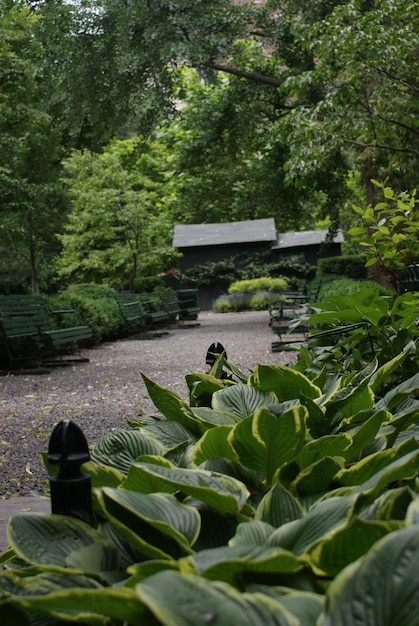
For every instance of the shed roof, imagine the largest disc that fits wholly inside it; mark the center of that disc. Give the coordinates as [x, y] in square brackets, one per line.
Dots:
[249, 231]
[304, 238]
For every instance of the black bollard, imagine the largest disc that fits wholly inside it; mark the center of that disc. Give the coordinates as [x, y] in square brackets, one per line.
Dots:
[213, 353]
[71, 492]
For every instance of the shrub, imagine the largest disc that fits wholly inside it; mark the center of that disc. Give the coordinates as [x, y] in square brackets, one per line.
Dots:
[265, 283]
[351, 266]
[342, 286]
[95, 306]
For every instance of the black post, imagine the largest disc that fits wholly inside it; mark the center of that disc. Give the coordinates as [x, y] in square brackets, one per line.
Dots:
[70, 489]
[214, 351]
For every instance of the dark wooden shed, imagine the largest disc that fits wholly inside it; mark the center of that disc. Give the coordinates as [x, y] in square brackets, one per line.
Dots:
[203, 243]
[307, 245]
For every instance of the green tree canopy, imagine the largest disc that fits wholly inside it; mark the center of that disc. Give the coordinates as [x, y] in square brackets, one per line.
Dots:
[118, 227]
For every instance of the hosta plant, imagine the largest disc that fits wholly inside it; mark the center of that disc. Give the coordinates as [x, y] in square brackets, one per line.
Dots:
[269, 498]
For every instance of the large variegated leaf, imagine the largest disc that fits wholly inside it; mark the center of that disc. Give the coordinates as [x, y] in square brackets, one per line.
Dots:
[103, 475]
[279, 507]
[404, 468]
[203, 602]
[156, 524]
[306, 606]
[233, 564]
[224, 493]
[214, 444]
[348, 544]
[253, 533]
[241, 400]
[317, 449]
[363, 434]
[202, 387]
[44, 582]
[371, 465]
[380, 589]
[171, 406]
[87, 606]
[167, 432]
[62, 541]
[264, 442]
[210, 417]
[323, 518]
[120, 448]
[401, 424]
[398, 395]
[317, 478]
[382, 374]
[391, 504]
[284, 382]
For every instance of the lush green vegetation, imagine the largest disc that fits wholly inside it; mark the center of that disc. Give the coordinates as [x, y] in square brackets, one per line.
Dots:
[285, 495]
[119, 120]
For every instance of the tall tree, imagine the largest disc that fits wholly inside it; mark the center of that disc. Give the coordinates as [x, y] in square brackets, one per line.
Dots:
[367, 75]
[118, 228]
[32, 205]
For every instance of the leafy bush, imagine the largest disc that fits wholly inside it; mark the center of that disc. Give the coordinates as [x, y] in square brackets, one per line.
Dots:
[95, 306]
[264, 283]
[351, 266]
[271, 498]
[351, 330]
[341, 286]
[210, 273]
[250, 267]
[237, 302]
[389, 231]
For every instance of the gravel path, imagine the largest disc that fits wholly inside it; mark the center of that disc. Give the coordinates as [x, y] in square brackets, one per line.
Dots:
[104, 393]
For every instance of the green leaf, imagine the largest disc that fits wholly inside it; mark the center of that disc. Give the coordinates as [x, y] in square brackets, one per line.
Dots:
[316, 478]
[120, 448]
[284, 382]
[204, 602]
[43, 539]
[156, 524]
[264, 442]
[214, 444]
[278, 507]
[329, 445]
[210, 417]
[166, 432]
[403, 468]
[241, 400]
[172, 407]
[83, 606]
[349, 543]
[103, 475]
[224, 493]
[323, 518]
[234, 564]
[380, 589]
[371, 466]
[382, 374]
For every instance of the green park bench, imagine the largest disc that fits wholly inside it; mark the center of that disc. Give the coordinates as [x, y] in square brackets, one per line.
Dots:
[156, 314]
[408, 279]
[132, 311]
[141, 312]
[188, 300]
[28, 335]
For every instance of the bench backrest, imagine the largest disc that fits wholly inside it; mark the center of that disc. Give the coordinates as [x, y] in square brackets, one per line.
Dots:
[19, 325]
[24, 307]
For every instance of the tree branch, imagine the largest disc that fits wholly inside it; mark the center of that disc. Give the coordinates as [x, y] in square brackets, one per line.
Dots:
[254, 76]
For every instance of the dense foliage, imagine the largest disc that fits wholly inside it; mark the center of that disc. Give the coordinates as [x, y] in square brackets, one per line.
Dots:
[252, 110]
[274, 496]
